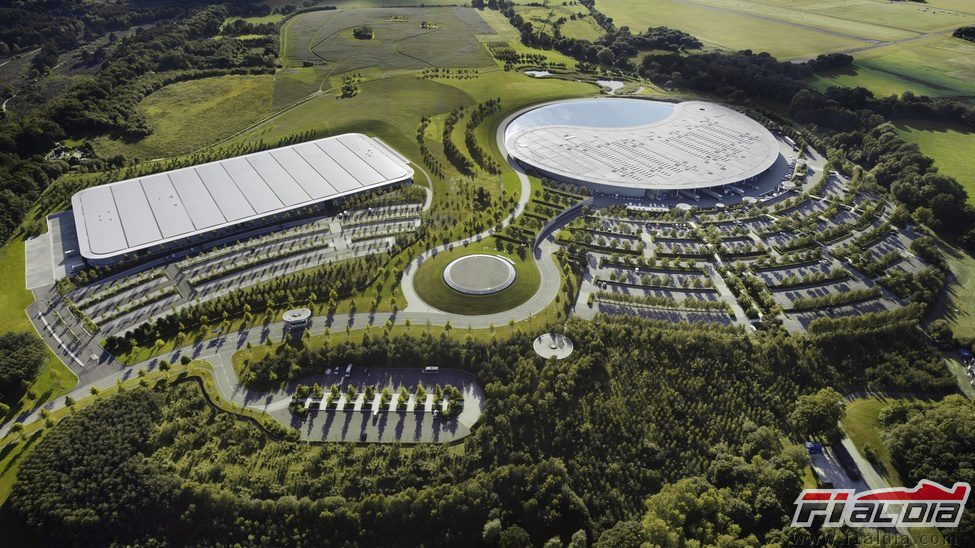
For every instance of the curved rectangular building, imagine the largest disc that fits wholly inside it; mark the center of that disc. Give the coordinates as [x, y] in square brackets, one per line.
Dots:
[188, 206]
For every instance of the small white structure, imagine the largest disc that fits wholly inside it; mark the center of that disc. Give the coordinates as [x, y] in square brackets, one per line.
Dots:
[553, 345]
[296, 318]
[479, 274]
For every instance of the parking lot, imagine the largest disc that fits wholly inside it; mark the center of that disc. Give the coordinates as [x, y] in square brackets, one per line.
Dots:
[419, 425]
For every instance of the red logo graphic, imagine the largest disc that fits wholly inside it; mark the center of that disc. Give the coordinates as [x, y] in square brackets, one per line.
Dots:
[927, 505]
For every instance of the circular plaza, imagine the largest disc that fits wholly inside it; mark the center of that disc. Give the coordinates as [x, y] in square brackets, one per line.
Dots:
[479, 274]
[553, 345]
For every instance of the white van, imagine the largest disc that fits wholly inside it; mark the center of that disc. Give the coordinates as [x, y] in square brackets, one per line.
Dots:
[348, 371]
[431, 369]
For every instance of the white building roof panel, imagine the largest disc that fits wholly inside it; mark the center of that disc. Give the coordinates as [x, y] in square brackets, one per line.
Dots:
[227, 195]
[257, 192]
[167, 207]
[279, 180]
[102, 231]
[138, 222]
[199, 204]
[377, 158]
[304, 174]
[363, 173]
[340, 179]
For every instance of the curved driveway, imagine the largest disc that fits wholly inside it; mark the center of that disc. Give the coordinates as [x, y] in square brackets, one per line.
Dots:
[219, 350]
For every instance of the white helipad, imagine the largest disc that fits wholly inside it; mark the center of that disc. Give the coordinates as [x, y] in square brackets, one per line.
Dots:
[479, 274]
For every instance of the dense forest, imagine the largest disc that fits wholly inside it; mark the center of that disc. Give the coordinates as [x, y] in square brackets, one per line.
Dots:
[642, 415]
[934, 441]
[21, 357]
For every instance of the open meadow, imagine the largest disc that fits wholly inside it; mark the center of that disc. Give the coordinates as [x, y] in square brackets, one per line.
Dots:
[404, 38]
[937, 66]
[189, 115]
[950, 146]
[796, 29]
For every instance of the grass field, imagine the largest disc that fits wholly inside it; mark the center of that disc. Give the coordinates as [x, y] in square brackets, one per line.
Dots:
[293, 84]
[960, 305]
[400, 42]
[861, 425]
[863, 429]
[792, 29]
[430, 285]
[189, 115]
[54, 379]
[939, 66]
[950, 146]
[720, 25]
[543, 17]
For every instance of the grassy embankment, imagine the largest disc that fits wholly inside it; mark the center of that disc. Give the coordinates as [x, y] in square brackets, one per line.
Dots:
[862, 426]
[187, 116]
[54, 379]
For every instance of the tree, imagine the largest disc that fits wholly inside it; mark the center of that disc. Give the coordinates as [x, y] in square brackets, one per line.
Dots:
[941, 332]
[514, 537]
[625, 534]
[491, 534]
[819, 414]
[21, 357]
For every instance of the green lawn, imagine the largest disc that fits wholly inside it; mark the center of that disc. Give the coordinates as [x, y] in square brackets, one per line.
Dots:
[430, 286]
[938, 66]
[960, 305]
[54, 379]
[950, 146]
[189, 115]
[861, 425]
[13, 297]
[293, 84]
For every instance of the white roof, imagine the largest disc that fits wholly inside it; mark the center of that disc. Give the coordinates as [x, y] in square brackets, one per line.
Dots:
[634, 143]
[147, 211]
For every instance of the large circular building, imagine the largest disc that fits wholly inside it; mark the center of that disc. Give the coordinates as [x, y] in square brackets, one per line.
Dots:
[635, 147]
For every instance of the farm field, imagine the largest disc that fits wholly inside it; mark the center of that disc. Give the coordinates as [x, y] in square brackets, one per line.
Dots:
[400, 41]
[189, 115]
[950, 147]
[938, 66]
[791, 29]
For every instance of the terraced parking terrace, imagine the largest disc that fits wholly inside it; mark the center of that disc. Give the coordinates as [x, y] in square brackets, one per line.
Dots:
[261, 263]
[826, 248]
